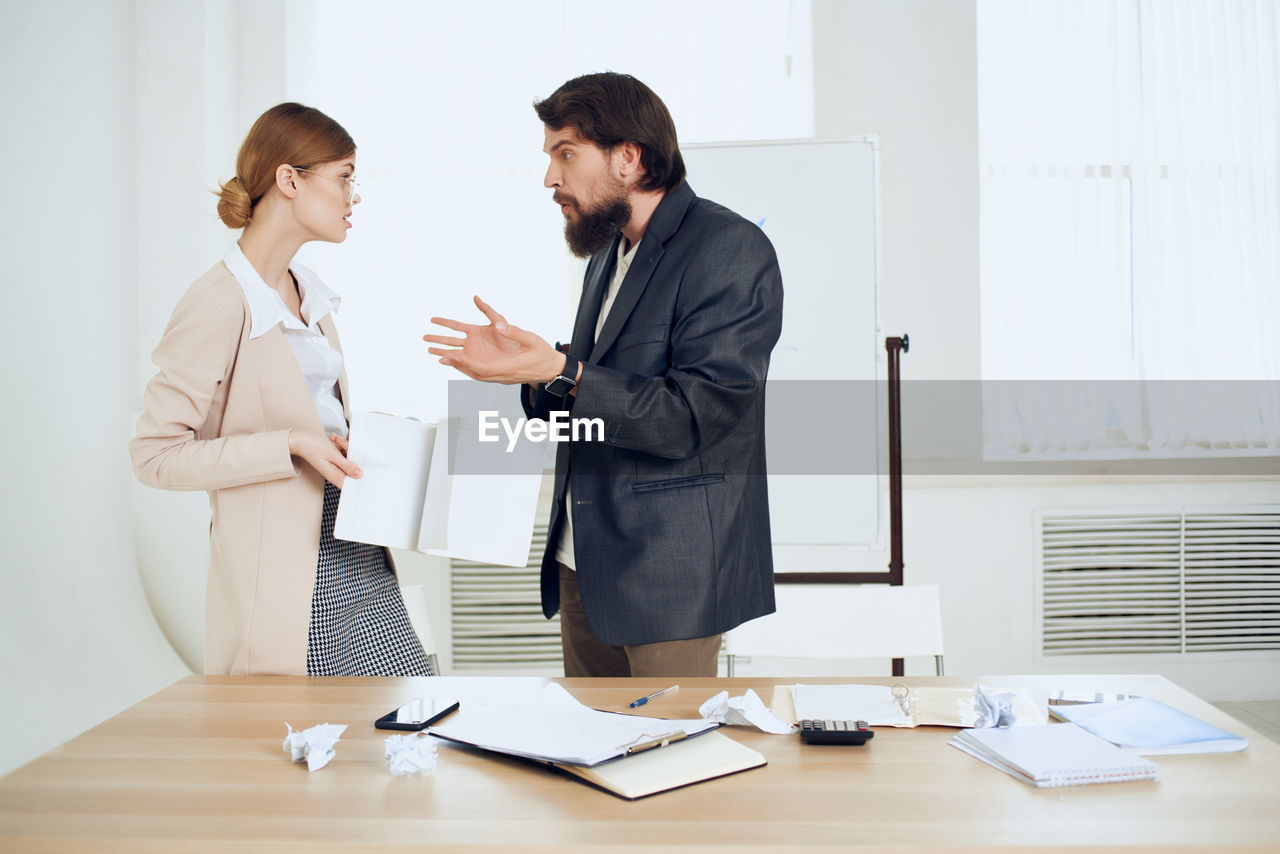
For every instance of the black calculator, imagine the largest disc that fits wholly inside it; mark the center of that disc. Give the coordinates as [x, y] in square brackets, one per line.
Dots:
[835, 732]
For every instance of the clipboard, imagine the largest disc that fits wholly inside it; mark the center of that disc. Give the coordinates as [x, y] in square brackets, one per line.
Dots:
[553, 727]
[692, 761]
[628, 755]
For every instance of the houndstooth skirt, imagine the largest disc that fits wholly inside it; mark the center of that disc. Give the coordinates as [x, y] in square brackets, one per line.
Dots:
[359, 625]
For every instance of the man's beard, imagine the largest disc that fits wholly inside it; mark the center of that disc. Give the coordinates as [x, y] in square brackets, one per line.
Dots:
[595, 229]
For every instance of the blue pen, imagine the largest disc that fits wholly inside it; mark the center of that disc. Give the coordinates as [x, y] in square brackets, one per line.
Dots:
[644, 700]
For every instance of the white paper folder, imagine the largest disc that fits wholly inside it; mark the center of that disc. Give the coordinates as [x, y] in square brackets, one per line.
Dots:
[629, 755]
[1150, 728]
[412, 497]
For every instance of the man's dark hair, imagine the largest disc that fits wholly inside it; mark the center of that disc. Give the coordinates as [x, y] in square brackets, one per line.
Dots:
[609, 109]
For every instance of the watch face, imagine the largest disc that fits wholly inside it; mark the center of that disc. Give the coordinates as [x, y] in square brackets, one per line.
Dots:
[560, 386]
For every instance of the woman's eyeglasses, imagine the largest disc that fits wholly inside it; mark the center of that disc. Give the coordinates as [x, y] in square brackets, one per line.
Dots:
[351, 182]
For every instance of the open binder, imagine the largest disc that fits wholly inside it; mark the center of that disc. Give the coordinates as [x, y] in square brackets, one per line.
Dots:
[414, 497]
[629, 755]
[900, 705]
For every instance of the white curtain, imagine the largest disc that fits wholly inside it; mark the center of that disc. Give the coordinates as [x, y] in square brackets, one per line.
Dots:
[439, 99]
[1130, 237]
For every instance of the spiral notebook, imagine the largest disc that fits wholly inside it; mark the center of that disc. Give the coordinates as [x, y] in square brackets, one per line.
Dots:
[1054, 755]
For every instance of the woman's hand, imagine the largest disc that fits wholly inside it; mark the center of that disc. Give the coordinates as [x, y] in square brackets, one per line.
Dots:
[325, 454]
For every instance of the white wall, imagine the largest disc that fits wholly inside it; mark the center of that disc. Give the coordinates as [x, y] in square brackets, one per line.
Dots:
[77, 640]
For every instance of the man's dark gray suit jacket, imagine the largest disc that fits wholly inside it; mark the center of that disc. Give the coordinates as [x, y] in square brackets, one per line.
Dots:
[671, 511]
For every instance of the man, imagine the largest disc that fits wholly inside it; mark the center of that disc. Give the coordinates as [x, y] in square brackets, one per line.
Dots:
[659, 535]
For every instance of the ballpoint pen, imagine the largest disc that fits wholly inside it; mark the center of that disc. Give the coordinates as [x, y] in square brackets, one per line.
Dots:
[644, 700]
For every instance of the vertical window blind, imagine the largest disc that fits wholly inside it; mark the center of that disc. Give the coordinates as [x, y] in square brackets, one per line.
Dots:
[1130, 231]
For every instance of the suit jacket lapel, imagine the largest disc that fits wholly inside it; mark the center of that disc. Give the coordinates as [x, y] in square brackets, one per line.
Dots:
[664, 222]
[642, 267]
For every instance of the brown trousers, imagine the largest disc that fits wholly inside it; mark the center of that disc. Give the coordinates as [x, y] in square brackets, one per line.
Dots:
[584, 655]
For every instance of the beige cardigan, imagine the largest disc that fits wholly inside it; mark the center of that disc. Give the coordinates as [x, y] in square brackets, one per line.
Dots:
[217, 416]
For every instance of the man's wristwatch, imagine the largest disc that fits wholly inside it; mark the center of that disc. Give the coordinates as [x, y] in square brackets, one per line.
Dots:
[563, 384]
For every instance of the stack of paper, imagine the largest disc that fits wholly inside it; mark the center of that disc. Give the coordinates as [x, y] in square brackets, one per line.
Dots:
[1053, 755]
[1151, 728]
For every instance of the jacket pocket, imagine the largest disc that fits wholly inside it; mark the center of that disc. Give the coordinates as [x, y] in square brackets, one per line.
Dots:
[643, 335]
[676, 482]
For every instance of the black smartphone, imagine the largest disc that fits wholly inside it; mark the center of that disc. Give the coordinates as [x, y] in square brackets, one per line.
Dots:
[417, 714]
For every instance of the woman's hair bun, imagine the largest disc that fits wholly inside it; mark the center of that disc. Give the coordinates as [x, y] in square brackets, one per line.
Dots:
[287, 134]
[235, 207]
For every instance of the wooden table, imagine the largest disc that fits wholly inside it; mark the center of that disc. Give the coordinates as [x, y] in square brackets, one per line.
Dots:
[199, 767]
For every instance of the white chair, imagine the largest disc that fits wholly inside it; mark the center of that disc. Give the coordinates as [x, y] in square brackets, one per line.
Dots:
[171, 539]
[415, 602]
[844, 621]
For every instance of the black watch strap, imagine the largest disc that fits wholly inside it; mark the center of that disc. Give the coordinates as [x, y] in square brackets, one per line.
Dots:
[563, 384]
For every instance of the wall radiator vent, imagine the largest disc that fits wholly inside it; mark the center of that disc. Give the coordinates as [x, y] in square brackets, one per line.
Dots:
[498, 625]
[1178, 581]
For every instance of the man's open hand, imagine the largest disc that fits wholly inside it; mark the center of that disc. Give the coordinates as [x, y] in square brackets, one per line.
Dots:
[496, 352]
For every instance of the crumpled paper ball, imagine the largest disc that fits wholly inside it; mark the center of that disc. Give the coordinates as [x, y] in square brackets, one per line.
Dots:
[314, 745]
[747, 710]
[410, 754]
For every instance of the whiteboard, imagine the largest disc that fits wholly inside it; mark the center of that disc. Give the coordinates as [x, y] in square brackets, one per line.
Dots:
[818, 203]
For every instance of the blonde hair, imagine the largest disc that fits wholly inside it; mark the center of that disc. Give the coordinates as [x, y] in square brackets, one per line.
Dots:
[289, 134]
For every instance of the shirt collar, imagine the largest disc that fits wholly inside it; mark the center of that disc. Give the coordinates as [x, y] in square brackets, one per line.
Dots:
[266, 308]
[625, 258]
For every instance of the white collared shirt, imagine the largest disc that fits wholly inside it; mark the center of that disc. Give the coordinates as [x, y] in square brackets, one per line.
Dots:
[564, 548]
[319, 362]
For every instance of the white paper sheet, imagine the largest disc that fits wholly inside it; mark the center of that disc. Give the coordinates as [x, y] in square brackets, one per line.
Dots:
[410, 497]
[487, 518]
[874, 704]
[555, 727]
[384, 507]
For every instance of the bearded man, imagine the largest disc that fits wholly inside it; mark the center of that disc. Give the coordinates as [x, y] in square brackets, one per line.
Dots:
[659, 534]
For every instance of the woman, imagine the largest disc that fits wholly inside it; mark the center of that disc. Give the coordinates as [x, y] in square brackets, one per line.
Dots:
[250, 403]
